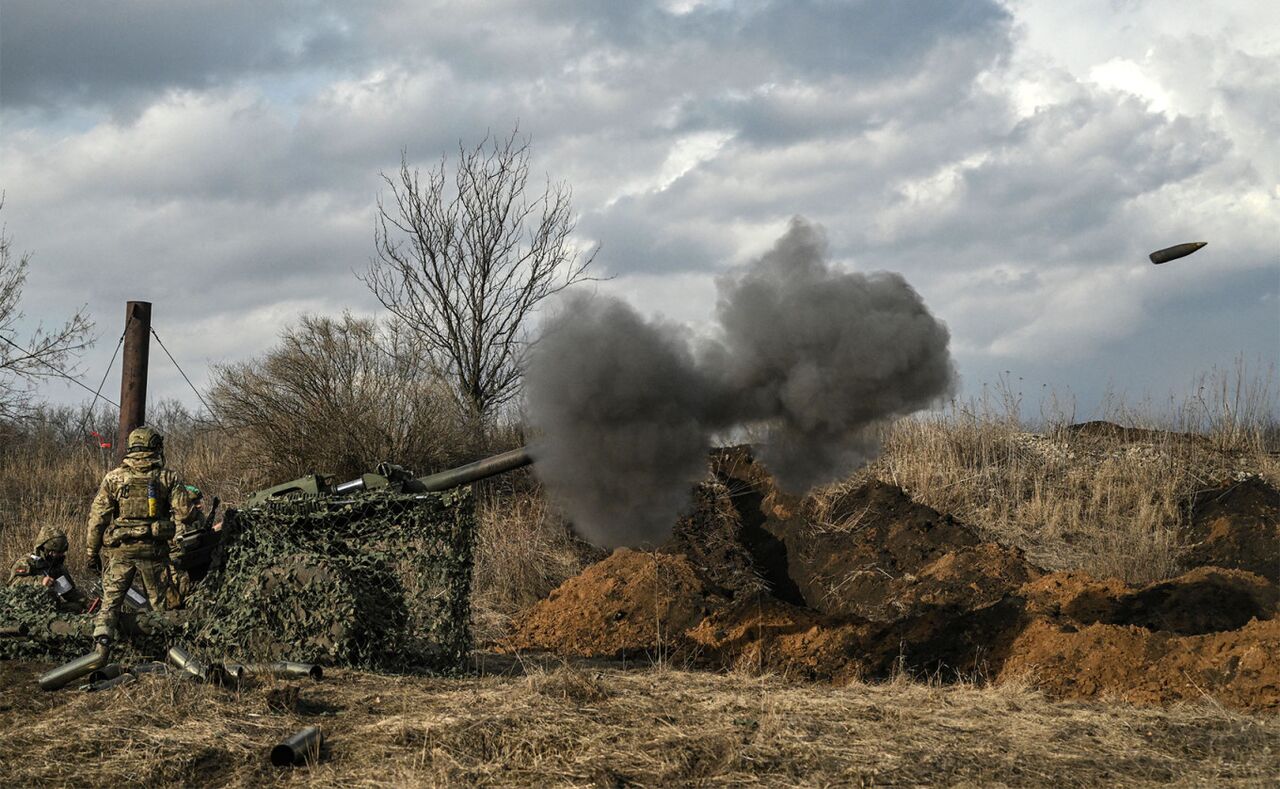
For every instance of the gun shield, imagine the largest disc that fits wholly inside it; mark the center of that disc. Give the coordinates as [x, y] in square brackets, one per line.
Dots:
[301, 748]
[69, 672]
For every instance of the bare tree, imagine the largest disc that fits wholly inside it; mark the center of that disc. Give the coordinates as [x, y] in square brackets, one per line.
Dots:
[42, 354]
[464, 260]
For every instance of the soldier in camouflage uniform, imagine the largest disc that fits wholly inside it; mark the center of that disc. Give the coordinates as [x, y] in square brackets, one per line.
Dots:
[179, 581]
[46, 567]
[130, 525]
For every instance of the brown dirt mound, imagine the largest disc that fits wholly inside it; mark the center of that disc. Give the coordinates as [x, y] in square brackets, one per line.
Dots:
[880, 585]
[1236, 525]
[1205, 600]
[1238, 668]
[767, 635]
[630, 603]
[893, 558]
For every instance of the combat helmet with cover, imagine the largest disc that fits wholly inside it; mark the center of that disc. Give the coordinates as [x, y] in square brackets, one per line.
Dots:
[51, 540]
[145, 439]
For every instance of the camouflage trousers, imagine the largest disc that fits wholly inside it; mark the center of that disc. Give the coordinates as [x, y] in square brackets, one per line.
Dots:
[121, 566]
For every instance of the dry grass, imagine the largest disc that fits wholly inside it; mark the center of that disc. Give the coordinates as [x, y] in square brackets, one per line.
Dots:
[524, 549]
[1112, 506]
[592, 726]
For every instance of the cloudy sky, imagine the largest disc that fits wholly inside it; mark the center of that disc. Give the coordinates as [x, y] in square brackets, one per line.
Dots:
[1015, 160]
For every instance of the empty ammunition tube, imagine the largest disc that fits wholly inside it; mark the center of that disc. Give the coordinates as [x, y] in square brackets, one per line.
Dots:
[234, 671]
[121, 680]
[152, 667]
[302, 747]
[109, 671]
[182, 659]
[14, 631]
[69, 672]
[285, 669]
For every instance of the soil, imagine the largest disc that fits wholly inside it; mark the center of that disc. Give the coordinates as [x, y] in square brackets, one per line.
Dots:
[749, 581]
[1237, 525]
[1237, 668]
[630, 604]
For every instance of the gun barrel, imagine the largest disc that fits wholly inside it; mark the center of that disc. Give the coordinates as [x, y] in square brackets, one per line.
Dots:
[472, 472]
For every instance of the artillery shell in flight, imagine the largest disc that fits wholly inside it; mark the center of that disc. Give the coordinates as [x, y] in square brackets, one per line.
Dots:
[1174, 252]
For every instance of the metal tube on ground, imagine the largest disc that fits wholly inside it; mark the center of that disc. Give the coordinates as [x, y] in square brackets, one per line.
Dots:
[234, 671]
[300, 748]
[14, 631]
[182, 659]
[69, 672]
[126, 678]
[152, 667]
[109, 671]
[285, 669]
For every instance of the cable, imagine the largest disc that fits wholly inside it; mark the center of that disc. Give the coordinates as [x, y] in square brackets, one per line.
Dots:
[89, 413]
[184, 376]
[56, 371]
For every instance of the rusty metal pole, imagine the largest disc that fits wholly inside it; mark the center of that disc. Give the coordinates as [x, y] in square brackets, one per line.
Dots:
[133, 375]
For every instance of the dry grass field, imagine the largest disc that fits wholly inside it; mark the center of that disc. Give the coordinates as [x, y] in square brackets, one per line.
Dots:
[1107, 502]
[609, 726]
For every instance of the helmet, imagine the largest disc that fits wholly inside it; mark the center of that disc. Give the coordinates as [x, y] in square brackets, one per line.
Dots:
[144, 438]
[51, 539]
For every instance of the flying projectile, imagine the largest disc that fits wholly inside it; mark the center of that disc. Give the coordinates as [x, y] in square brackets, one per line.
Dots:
[1174, 252]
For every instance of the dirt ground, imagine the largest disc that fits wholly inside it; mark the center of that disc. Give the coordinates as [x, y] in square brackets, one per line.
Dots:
[884, 586]
[533, 723]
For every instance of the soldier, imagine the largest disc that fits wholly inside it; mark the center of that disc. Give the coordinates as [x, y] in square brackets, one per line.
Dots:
[46, 567]
[130, 525]
[179, 584]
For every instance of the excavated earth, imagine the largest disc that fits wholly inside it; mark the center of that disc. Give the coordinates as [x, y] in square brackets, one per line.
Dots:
[883, 586]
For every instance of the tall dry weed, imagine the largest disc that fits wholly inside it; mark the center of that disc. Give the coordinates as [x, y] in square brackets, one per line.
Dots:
[1095, 499]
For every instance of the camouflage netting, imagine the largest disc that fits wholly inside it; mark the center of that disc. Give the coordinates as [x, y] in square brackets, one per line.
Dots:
[58, 635]
[377, 581]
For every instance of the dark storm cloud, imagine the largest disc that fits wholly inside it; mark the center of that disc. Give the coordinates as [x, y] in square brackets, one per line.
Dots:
[102, 52]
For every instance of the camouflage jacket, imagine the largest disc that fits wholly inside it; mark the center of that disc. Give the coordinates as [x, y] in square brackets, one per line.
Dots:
[24, 571]
[120, 514]
[27, 571]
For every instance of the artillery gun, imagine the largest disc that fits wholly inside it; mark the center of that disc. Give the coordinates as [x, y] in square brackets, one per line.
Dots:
[196, 547]
[395, 478]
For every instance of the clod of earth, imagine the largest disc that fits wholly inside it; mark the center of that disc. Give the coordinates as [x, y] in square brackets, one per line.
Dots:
[885, 585]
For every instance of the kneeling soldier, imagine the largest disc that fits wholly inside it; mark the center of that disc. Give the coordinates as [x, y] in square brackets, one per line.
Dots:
[46, 567]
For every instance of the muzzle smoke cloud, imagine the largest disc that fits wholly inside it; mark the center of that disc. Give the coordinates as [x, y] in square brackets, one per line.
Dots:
[814, 355]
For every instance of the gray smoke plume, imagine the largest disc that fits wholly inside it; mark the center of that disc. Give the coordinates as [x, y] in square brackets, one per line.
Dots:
[814, 355]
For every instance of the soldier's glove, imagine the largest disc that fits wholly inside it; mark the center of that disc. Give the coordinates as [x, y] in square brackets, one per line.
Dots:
[95, 563]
